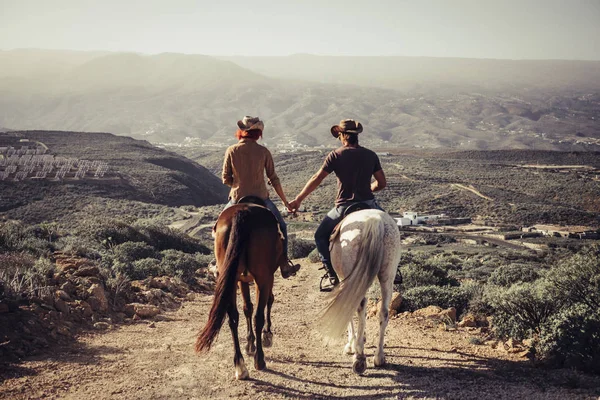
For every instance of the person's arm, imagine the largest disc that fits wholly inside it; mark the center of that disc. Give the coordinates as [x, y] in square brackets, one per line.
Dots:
[380, 181]
[274, 179]
[227, 175]
[281, 194]
[310, 186]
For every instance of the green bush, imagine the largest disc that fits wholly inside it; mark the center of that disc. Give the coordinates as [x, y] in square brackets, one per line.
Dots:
[299, 248]
[576, 279]
[110, 232]
[144, 268]
[441, 296]
[506, 275]
[130, 251]
[314, 256]
[16, 237]
[80, 246]
[521, 310]
[21, 274]
[164, 238]
[572, 339]
[179, 264]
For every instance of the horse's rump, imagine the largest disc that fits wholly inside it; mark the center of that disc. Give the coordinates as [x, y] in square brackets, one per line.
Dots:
[245, 235]
[357, 255]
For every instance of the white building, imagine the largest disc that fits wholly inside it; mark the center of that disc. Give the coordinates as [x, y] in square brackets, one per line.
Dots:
[412, 218]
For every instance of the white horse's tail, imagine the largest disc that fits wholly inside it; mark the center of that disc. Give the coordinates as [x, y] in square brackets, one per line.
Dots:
[345, 299]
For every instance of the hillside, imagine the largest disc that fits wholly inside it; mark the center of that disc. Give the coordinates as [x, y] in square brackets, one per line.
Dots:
[518, 192]
[137, 173]
[450, 103]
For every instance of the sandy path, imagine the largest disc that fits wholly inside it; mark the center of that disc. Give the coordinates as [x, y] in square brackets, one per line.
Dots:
[155, 360]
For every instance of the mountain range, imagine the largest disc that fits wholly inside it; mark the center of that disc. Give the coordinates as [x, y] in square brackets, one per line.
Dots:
[410, 102]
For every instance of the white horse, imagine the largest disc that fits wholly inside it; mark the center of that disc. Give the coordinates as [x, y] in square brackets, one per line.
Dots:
[368, 246]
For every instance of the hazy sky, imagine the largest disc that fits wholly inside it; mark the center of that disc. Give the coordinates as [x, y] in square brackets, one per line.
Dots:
[516, 29]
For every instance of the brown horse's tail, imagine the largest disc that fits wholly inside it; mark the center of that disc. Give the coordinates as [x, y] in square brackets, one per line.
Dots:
[226, 282]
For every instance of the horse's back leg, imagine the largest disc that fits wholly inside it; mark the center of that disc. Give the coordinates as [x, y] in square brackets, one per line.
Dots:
[386, 297]
[248, 311]
[263, 293]
[241, 372]
[350, 346]
[267, 335]
[360, 361]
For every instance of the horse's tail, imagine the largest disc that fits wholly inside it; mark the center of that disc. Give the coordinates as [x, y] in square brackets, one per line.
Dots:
[226, 285]
[345, 300]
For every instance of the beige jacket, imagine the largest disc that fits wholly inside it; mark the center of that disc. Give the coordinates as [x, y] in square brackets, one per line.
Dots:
[244, 168]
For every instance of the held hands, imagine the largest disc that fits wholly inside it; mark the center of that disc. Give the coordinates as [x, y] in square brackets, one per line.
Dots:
[293, 205]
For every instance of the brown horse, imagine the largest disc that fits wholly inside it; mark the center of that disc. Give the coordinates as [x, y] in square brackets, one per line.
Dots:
[248, 246]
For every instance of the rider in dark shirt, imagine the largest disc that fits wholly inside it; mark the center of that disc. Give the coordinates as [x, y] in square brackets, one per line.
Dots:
[354, 166]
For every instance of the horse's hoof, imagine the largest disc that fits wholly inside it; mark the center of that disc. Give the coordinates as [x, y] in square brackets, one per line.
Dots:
[349, 349]
[379, 361]
[360, 365]
[250, 349]
[241, 373]
[267, 339]
[260, 365]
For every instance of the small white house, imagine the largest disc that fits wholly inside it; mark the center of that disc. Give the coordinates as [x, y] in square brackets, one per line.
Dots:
[412, 218]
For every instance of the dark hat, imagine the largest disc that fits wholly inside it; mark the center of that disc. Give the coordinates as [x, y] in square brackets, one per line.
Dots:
[346, 126]
[249, 123]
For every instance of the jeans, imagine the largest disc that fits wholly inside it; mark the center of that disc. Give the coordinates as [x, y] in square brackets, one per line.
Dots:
[332, 218]
[282, 225]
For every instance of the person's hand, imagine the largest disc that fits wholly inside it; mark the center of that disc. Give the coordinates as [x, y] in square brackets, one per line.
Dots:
[293, 205]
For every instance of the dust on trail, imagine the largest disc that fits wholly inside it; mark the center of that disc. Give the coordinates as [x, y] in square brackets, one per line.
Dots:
[155, 360]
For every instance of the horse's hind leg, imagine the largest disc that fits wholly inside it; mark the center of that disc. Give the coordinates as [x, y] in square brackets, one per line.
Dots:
[241, 372]
[248, 310]
[350, 346]
[386, 297]
[267, 335]
[360, 361]
[263, 294]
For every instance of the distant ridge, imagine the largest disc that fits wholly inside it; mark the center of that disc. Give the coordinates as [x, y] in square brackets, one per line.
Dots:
[403, 102]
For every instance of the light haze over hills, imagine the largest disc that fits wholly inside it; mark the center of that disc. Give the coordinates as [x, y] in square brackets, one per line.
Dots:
[402, 101]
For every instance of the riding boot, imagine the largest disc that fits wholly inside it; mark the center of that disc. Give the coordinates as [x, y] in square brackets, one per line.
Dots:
[330, 279]
[288, 268]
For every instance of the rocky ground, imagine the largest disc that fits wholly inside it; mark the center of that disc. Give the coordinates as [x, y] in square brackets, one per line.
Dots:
[151, 356]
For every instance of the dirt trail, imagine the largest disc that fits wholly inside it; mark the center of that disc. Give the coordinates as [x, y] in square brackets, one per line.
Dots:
[155, 360]
[471, 189]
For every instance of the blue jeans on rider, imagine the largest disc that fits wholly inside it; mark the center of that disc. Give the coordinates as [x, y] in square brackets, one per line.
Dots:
[273, 208]
[332, 218]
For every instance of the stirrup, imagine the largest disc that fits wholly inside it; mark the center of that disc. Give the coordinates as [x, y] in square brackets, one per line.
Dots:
[398, 278]
[328, 281]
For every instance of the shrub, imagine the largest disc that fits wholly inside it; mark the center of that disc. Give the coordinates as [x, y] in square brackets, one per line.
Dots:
[521, 310]
[299, 248]
[506, 275]
[426, 273]
[130, 251]
[15, 237]
[572, 339]
[577, 278]
[80, 246]
[109, 232]
[314, 256]
[164, 238]
[23, 274]
[178, 264]
[441, 296]
[145, 267]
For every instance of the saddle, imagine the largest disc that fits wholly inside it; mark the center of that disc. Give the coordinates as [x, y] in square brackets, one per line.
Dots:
[252, 200]
[353, 208]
